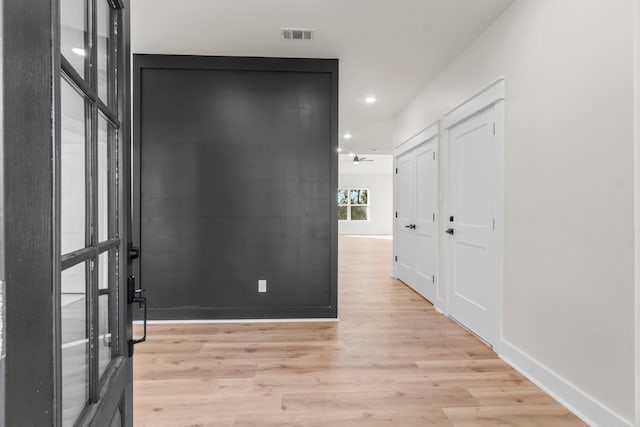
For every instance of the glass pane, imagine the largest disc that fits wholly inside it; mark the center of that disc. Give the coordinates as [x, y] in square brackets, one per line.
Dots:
[354, 195]
[104, 45]
[113, 180]
[342, 213]
[72, 169]
[363, 198]
[343, 197]
[104, 330]
[75, 343]
[73, 31]
[358, 213]
[103, 179]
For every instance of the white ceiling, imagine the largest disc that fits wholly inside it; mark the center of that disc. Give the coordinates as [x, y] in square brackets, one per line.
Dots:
[390, 49]
[379, 164]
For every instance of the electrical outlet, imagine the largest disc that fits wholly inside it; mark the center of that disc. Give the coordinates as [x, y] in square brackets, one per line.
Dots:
[262, 285]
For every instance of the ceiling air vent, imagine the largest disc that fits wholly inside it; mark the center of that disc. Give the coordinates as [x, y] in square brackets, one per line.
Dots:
[297, 33]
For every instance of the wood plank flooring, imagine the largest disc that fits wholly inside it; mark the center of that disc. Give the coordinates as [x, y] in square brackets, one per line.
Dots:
[392, 360]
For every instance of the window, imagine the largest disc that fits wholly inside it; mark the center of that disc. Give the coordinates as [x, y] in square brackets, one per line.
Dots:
[353, 204]
[89, 201]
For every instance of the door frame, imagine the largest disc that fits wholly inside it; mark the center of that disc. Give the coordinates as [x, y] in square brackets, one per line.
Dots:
[430, 133]
[31, 75]
[491, 96]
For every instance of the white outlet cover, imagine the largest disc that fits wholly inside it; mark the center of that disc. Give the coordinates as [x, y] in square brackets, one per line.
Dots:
[262, 285]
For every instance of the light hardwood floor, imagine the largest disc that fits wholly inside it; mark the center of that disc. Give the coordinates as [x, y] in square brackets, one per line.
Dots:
[392, 360]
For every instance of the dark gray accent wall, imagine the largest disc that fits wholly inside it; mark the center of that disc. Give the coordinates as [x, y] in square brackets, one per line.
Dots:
[236, 176]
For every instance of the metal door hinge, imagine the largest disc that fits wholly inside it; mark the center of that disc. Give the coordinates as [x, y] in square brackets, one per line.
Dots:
[396, 214]
[434, 155]
[133, 252]
[433, 278]
[494, 128]
[396, 258]
[396, 170]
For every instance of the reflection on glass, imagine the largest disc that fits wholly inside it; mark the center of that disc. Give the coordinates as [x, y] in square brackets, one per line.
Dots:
[359, 197]
[103, 179]
[73, 30]
[104, 32]
[342, 213]
[104, 330]
[75, 343]
[72, 169]
[358, 213]
[343, 197]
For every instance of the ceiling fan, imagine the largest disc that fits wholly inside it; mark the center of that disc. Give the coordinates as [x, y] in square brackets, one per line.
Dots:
[357, 159]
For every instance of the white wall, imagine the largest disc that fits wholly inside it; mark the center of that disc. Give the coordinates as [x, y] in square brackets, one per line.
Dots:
[378, 178]
[637, 200]
[569, 185]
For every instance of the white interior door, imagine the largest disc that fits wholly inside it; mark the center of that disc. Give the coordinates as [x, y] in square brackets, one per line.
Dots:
[416, 233]
[405, 208]
[473, 251]
[425, 233]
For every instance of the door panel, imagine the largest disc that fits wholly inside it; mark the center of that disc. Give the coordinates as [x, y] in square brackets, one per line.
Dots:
[425, 220]
[405, 202]
[416, 234]
[473, 252]
[93, 377]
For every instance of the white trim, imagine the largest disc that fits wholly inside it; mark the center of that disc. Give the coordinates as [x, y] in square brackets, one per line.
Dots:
[488, 96]
[223, 321]
[577, 401]
[499, 116]
[636, 168]
[418, 139]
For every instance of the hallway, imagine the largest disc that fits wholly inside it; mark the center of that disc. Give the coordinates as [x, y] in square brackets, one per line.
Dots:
[391, 360]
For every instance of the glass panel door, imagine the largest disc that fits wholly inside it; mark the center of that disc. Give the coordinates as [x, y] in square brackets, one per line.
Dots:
[93, 365]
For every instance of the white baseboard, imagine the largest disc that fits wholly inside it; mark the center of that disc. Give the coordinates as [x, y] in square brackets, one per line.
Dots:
[580, 403]
[196, 321]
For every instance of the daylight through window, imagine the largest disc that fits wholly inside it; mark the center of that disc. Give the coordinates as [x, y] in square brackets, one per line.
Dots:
[353, 204]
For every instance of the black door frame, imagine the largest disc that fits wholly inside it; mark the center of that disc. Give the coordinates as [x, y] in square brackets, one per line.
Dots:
[31, 81]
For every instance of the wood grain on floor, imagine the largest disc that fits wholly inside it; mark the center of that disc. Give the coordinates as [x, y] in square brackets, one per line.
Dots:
[391, 360]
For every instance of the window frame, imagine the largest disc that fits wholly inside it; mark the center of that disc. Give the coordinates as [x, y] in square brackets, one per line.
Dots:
[350, 205]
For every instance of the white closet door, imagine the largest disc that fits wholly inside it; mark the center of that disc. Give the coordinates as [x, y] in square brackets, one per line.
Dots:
[425, 233]
[473, 254]
[416, 202]
[405, 205]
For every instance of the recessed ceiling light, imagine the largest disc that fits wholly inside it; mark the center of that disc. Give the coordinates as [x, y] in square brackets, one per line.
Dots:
[347, 135]
[370, 99]
[339, 150]
[78, 51]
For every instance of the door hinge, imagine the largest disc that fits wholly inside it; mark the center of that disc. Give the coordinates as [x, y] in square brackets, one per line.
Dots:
[434, 217]
[396, 258]
[396, 171]
[433, 278]
[494, 128]
[434, 155]
[396, 214]
[494, 224]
